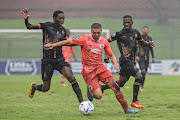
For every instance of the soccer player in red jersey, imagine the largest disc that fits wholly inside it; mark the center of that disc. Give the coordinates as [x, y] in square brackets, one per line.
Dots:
[93, 70]
[67, 50]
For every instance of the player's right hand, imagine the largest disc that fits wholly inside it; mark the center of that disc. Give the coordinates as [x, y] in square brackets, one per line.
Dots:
[25, 13]
[137, 58]
[117, 69]
[48, 45]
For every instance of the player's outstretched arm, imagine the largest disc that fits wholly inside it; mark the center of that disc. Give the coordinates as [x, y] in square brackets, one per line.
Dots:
[114, 61]
[61, 43]
[26, 15]
[145, 43]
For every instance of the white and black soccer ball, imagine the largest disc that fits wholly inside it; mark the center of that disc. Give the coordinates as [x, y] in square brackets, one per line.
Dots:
[86, 108]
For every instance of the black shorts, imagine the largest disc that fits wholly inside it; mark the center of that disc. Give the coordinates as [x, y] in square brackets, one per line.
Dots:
[49, 65]
[143, 64]
[128, 69]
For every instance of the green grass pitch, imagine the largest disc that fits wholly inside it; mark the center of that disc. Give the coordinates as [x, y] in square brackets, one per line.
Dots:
[160, 98]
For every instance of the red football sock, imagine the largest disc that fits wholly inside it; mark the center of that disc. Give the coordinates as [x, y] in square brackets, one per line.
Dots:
[120, 97]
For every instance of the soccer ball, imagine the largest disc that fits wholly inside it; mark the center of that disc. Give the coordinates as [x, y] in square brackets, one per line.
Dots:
[86, 108]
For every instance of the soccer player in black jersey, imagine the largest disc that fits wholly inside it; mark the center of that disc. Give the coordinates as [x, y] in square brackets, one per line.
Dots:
[52, 58]
[126, 40]
[142, 55]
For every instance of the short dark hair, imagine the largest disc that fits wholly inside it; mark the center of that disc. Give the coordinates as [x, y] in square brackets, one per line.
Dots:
[96, 25]
[146, 27]
[127, 16]
[55, 14]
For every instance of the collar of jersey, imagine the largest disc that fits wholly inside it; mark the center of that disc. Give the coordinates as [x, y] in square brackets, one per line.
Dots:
[95, 40]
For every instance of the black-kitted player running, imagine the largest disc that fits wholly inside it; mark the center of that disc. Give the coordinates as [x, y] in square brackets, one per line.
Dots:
[142, 55]
[52, 58]
[126, 41]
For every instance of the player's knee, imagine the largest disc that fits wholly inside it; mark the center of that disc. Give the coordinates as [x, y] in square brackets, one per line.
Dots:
[122, 83]
[98, 96]
[138, 75]
[70, 78]
[143, 72]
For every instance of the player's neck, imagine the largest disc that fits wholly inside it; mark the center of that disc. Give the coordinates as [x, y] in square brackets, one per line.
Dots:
[94, 39]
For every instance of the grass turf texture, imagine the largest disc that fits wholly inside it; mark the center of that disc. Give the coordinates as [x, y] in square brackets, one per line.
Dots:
[29, 46]
[160, 98]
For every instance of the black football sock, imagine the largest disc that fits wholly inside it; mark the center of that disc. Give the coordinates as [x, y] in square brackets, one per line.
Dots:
[38, 87]
[143, 79]
[77, 90]
[104, 87]
[136, 89]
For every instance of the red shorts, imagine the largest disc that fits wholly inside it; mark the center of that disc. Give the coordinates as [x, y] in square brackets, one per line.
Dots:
[99, 74]
[68, 60]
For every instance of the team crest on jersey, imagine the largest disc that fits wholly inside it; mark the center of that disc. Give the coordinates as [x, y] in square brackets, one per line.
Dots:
[136, 35]
[101, 46]
[131, 38]
[77, 38]
[62, 32]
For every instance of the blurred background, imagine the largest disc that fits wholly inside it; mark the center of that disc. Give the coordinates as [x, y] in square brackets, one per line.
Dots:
[162, 17]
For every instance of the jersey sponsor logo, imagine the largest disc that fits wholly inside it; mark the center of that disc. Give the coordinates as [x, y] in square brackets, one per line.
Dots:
[101, 46]
[21, 67]
[96, 51]
[124, 36]
[174, 67]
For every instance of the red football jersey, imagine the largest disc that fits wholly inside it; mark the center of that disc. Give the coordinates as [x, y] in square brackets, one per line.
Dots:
[91, 51]
[66, 50]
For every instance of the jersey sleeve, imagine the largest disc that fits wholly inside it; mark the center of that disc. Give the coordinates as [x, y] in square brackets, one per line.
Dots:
[79, 41]
[139, 36]
[41, 25]
[115, 36]
[107, 49]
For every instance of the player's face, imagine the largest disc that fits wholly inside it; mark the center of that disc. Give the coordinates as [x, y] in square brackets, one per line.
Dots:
[145, 31]
[127, 22]
[96, 33]
[59, 20]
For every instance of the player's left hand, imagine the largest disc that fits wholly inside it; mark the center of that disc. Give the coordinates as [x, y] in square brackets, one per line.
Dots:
[151, 43]
[153, 60]
[117, 69]
[25, 13]
[48, 45]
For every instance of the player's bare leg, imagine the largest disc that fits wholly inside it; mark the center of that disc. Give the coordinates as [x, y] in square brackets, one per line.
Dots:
[120, 97]
[97, 93]
[62, 81]
[42, 87]
[67, 72]
[141, 88]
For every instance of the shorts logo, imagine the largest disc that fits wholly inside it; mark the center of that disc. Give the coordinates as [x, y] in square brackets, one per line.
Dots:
[90, 87]
[45, 76]
[101, 46]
